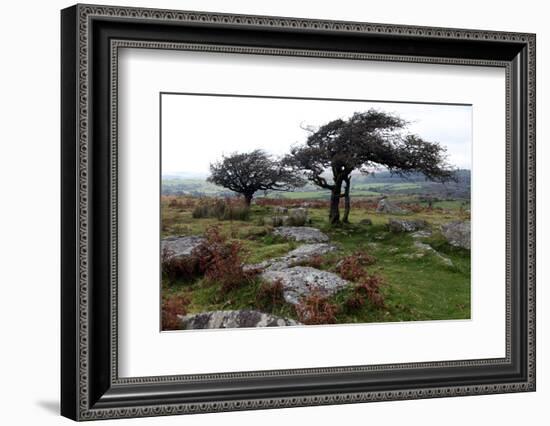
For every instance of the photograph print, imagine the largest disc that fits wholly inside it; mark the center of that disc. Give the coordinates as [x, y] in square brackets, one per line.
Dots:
[280, 211]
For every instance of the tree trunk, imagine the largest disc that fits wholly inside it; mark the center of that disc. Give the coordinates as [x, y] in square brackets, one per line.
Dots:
[334, 215]
[347, 201]
[248, 199]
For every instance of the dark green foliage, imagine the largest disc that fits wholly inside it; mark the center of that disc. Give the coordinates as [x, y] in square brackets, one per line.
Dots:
[248, 173]
[365, 140]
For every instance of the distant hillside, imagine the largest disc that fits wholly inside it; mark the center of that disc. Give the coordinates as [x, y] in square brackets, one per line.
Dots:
[375, 184]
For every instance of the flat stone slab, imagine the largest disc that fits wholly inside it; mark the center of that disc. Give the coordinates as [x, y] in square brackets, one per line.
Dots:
[457, 233]
[305, 234]
[310, 250]
[180, 246]
[233, 319]
[300, 254]
[299, 281]
[429, 249]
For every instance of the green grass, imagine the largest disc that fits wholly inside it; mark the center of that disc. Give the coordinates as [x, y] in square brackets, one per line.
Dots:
[306, 195]
[357, 190]
[415, 288]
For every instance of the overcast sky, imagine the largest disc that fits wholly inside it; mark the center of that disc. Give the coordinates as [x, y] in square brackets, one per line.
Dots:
[198, 130]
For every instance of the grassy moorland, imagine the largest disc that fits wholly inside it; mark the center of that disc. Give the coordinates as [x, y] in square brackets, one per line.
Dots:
[413, 286]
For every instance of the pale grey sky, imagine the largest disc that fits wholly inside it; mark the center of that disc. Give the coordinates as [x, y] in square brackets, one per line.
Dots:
[198, 130]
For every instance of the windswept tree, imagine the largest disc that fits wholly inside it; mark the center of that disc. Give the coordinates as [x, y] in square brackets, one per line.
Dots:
[248, 173]
[364, 141]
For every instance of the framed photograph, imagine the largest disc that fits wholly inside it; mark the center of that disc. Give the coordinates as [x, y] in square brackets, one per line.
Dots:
[263, 212]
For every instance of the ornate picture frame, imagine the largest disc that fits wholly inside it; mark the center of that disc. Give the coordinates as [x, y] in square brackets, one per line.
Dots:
[91, 37]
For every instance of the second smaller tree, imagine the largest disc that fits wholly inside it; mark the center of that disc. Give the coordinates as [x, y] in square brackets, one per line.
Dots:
[250, 172]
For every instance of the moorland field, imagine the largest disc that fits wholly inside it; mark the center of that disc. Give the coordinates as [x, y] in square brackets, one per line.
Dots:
[393, 274]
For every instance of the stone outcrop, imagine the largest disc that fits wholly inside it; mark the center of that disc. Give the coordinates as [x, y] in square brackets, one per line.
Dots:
[278, 210]
[428, 249]
[301, 233]
[287, 217]
[387, 206]
[424, 233]
[457, 233]
[294, 257]
[300, 281]
[233, 319]
[179, 246]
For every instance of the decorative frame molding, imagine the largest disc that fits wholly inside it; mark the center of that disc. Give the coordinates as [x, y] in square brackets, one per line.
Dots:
[91, 388]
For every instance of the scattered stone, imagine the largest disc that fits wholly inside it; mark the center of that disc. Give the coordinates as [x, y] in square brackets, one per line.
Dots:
[423, 246]
[297, 216]
[233, 319]
[301, 233]
[393, 250]
[367, 222]
[426, 233]
[387, 206]
[309, 250]
[457, 233]
[429, 249]
[285, 217]
[298, 255]
[398, 225]
[299, 281]
[180, 246]
[275, 221]
[280, 210]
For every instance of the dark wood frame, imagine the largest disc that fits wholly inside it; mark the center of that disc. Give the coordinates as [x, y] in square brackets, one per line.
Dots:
[90, 386]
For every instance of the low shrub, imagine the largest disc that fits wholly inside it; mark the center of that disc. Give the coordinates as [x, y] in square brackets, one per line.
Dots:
[185, 268]
[181, 203]
[228, 209]
[354, 302]
[353, 267]
[367, 289]
[369, 286]
[316, 309]
[172, 308]
[234, 211]
[415, 208]
[222, 261]
[270, 295]
[201, 210]
[208, 208]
